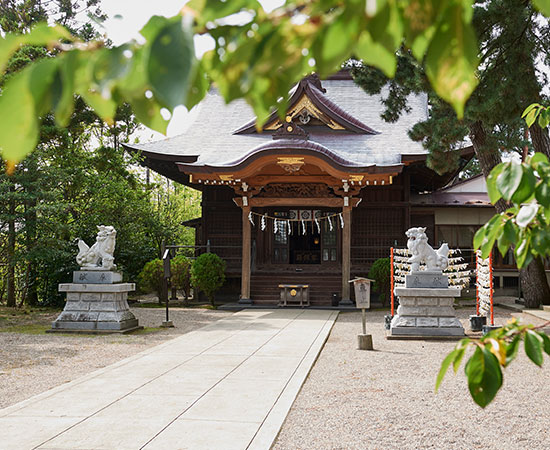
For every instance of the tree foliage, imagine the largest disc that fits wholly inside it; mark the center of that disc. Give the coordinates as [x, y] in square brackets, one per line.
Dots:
[208, 274]
[380, 272]
[77, 177]
[257, 59]
[524, 226]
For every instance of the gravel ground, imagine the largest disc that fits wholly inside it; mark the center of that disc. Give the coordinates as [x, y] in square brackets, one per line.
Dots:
[33, 363]
[385, 399]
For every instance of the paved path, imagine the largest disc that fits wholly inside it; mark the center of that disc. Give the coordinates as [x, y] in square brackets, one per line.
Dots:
[226, 386]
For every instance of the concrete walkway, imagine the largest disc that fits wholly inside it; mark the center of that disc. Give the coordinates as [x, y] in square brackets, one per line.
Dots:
[226, 386]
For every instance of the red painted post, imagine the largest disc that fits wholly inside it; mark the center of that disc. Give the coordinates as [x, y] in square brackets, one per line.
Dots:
[477, 285]
[491, 286]
[391, 280]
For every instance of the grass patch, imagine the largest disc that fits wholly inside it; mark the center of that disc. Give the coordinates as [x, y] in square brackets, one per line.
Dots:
[147, 330]
[32, 328]
[12, 318]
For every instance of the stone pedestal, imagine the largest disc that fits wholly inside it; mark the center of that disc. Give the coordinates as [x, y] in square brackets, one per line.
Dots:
[97, 306]
[426, 312]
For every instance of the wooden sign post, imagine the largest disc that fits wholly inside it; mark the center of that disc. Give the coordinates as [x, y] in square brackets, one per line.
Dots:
[362, 301]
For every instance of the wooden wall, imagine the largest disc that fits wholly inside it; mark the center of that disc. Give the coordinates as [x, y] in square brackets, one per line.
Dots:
[379, 222]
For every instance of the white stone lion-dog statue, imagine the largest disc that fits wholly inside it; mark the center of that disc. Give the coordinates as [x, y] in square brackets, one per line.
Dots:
[436, 260]
[102, 251]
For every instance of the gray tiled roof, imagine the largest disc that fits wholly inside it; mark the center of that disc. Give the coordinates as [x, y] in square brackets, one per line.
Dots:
[210, 135]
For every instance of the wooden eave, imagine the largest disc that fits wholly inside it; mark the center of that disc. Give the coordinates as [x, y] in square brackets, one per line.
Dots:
[267, 164]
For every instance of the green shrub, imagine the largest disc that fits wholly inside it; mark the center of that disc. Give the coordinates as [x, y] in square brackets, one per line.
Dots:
[151, 277]
[380, 272]
[208, 274]
[180, 267]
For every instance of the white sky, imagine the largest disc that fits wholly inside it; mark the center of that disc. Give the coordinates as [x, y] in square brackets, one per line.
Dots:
[134, 14]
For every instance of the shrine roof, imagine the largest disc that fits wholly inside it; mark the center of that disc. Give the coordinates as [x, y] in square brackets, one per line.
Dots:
[289, 146]
[210, 138]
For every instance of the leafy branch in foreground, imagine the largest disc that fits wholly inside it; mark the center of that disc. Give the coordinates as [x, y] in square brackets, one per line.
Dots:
[257, 59]
[493, 352]
[525, 225]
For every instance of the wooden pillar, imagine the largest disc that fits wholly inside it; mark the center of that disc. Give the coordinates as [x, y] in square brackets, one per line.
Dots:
[346, 257]
[245, 271]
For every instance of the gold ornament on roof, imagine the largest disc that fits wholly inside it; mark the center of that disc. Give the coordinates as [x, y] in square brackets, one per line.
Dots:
[290, 164]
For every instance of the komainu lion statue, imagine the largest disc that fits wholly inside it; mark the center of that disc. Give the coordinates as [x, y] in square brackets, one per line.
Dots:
[423, 252]
[102, 251]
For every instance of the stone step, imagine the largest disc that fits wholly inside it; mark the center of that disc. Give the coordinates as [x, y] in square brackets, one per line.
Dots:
[539, 314]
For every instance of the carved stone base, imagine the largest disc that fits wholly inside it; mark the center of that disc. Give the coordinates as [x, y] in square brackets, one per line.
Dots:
[426, 312]
[96, 307]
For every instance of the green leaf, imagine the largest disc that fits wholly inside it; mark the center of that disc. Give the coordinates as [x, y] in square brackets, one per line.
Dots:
[529, 109]
[444, 366]
[544, 117]
[458, 358]
[531, 117]
[199, 86]
[538, 158]
[452, 57]
[507, 238]
[509, 180]
[522, 252]
[533, 347]
[63, 101]
[171, 59]
[375, 54]
[542, 192]
[512, 349]
[545, 341]
[19, 124]
[486, 236]
[543, 6]
[484, 376]
[526, 189]
[526, 214]
[147, 111]
[210, 10]
[26, 95]
[420, 22]
[492, 190]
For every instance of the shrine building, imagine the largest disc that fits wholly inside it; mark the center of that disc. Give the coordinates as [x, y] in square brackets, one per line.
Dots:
[315, 198]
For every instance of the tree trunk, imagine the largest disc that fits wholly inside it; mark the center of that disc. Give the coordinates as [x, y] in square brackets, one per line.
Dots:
[11, 248]
[534, 291]
[30, 238]
[540, 139]
[535, 294]
[532, 278]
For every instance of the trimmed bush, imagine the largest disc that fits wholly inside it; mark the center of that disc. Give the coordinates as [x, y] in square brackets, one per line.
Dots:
[208, 274]
[380, 272]
[151, 277]
[180, 267]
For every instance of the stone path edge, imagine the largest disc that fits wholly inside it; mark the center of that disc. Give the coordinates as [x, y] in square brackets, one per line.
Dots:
[271, 426]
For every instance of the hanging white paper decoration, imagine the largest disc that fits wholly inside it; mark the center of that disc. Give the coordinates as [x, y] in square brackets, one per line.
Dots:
[318, 225]
[263, 222]
[289, 227]
[275, 226]
[341, 220]
[303, 227]
[330, 223]
[250, 217]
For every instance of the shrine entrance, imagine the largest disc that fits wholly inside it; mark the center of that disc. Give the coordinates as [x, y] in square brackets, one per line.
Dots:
[309, 242]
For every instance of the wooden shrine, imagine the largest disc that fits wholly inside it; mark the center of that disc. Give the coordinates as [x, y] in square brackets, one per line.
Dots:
[313, 198]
